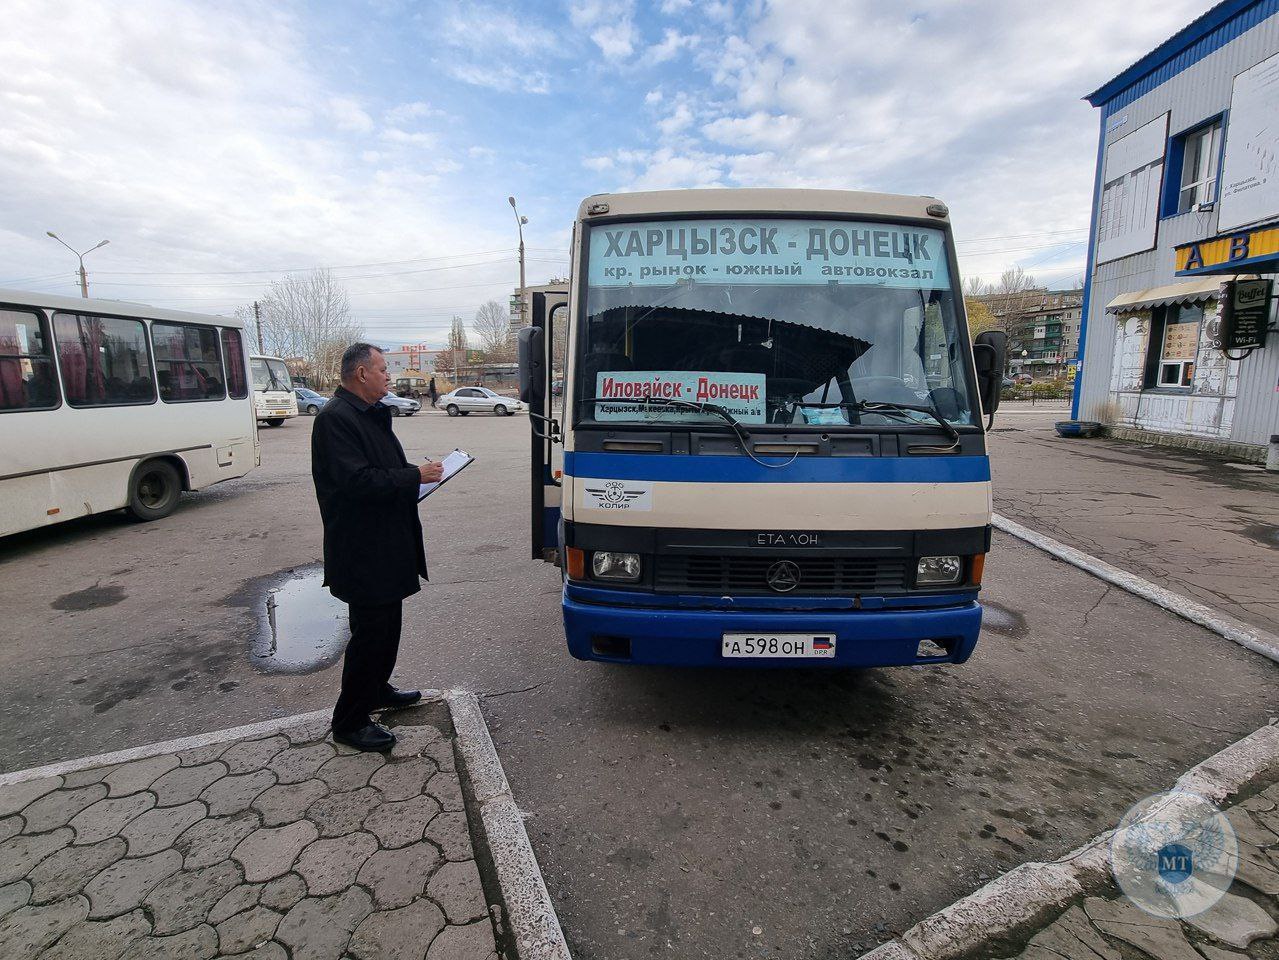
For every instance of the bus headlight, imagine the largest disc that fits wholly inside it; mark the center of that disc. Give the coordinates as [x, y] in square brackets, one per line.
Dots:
[607, 565]
[934, 570]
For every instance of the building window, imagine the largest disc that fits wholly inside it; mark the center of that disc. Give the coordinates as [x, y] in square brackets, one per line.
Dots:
[26, 362]
[1193, 161]
[105, 360]
[1174, 345]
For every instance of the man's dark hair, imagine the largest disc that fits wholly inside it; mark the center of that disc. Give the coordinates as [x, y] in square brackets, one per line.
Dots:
[354, 355]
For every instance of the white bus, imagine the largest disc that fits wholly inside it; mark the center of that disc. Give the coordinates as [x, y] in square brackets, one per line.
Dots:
[773, 447]
[107, 405]
[273, 398]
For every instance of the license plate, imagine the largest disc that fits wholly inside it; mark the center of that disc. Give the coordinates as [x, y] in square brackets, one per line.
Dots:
[795, 646]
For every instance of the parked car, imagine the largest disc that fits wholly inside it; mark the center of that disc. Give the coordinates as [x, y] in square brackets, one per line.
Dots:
[466, 400]
[309, 402]
[401, 406]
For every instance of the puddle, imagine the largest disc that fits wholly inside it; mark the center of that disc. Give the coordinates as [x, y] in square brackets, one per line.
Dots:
[999, 619]
[305, 627]
[91, 598]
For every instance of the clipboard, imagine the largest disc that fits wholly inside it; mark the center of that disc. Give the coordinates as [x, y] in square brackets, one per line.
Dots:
[454, 463]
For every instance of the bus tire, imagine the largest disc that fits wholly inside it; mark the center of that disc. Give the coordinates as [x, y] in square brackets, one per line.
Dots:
[153, 490]
[452, 410]
[275, 421]
[500, 411]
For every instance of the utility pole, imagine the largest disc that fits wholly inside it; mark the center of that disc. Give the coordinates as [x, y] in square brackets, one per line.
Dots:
[257, 322]
[84, 277]
[519, 225]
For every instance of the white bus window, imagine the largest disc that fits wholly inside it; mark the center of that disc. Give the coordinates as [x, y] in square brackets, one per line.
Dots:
[270, 375]
[105, 360]
[26, 362]
[237, 384]
[187, 363]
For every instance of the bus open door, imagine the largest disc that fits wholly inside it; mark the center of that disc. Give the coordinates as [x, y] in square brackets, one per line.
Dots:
[541, 355]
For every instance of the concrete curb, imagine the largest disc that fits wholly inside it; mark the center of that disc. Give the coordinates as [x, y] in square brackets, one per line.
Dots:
[530, 922]
[1244, 634]
[530, 919]
[1019, 903]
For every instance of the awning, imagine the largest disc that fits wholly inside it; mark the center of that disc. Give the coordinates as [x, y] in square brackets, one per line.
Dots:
[1193, 291]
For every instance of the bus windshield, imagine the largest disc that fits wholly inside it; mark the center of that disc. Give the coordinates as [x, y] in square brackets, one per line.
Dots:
[270, 374]
[797, 322]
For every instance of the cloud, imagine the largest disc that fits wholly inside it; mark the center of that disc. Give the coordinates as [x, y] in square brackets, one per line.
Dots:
[678, 120]
[406, 112]
[349, 115]
[862, 95]
[494, 48]
[670, 45]
[199, 137]
[610, 25]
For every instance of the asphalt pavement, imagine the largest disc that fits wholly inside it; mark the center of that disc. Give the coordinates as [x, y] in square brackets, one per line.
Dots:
[1196, 524]
[690, 813]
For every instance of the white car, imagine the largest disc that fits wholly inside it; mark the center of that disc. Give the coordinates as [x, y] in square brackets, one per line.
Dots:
[466, 400]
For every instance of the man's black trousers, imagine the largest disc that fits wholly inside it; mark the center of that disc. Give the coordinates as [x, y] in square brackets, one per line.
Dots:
[370, 658]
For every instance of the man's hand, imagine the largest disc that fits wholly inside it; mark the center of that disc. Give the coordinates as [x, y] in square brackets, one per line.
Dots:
[431, 471]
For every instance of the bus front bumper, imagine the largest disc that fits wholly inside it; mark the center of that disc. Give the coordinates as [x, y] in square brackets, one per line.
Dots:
[693, 637]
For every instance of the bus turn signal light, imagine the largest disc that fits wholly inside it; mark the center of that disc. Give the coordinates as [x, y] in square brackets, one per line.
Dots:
[979, 567]
[576, 563]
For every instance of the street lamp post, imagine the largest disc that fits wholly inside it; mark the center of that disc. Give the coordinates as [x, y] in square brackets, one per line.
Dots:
[519, 225]
[84, 278]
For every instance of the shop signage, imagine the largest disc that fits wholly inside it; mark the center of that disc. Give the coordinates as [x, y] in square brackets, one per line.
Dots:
[1245, 314]
[1243, 252]
[1181, 341]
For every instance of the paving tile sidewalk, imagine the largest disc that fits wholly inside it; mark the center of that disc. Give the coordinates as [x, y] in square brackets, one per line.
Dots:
[284, 846]
[1243, 925]
[1245, 919]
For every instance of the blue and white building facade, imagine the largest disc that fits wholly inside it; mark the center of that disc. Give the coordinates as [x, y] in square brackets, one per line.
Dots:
[1186, 196]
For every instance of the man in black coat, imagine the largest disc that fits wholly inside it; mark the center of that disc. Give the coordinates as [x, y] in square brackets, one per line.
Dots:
[373, 553]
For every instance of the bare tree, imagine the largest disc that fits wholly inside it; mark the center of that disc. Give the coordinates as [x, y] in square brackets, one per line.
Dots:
[453, 356]
[307, 318]
[493, 325]
[977, 287]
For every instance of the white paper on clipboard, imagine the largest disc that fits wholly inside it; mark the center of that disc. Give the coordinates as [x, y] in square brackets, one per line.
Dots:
[454, 463]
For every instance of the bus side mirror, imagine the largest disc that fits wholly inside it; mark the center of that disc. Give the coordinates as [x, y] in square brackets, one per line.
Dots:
[532, 358]
[990, 351]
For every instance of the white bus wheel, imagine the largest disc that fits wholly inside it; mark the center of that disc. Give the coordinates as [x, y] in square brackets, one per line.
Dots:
[154, 490]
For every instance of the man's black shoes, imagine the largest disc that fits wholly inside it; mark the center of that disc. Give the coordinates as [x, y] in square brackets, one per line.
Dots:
[394, 699]
[372, 737]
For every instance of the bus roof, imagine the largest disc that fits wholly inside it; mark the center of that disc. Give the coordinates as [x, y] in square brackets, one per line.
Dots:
[751, 200]
[117, 308]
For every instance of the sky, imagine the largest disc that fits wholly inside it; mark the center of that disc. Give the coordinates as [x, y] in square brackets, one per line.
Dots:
[220, 145]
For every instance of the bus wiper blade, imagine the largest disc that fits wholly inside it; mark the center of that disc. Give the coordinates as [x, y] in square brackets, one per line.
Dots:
[681, 404]
[886, 406]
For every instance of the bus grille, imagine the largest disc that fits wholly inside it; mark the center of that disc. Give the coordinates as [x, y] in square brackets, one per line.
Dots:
[749, 574]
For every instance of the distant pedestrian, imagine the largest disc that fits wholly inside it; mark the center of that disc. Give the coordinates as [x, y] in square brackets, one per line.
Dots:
[373, 553]
[432, 392]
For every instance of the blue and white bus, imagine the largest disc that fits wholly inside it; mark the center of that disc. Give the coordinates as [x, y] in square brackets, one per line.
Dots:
[770, 447]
